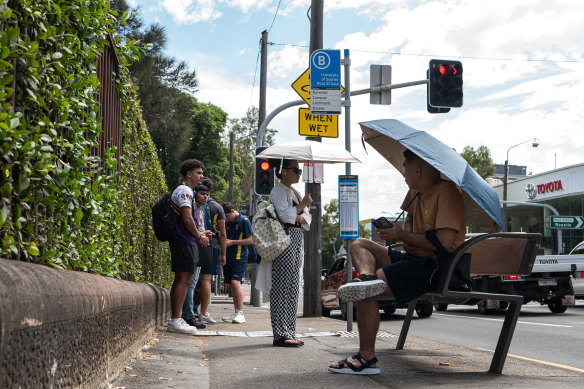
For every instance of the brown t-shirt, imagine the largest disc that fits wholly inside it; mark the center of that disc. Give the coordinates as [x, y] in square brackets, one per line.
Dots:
[440, 207]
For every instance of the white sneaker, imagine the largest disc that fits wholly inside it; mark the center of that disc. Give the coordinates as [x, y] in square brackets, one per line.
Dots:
[235, 318]
[357, 291]
[207, 319]
[181, 327]
[239, 319]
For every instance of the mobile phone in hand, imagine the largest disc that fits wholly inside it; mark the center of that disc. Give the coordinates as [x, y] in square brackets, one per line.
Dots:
[382, 222]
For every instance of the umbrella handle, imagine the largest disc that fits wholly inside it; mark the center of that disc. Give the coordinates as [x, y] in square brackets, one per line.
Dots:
[363, 142]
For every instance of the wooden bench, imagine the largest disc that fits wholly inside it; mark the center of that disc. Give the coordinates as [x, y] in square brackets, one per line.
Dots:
[503, 253]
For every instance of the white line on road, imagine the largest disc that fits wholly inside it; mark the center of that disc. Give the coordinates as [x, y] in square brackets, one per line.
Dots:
[500, 320]
[540, 361]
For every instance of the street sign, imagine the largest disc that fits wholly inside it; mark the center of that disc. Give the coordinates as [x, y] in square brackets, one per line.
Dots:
[302, 86]
[317, 125]
[325, 82]
[348, 207]
[567, 222]
[380, 75]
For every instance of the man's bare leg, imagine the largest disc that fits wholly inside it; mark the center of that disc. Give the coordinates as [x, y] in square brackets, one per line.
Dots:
[178, 292]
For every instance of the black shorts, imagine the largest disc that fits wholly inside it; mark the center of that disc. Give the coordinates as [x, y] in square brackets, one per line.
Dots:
[184, 257]
[408, 275]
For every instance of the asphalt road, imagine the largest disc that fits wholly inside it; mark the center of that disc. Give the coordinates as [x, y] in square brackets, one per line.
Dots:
[539, 335]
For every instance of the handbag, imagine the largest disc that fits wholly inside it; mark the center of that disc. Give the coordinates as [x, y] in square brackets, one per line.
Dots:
[270, 236]
[205, 256]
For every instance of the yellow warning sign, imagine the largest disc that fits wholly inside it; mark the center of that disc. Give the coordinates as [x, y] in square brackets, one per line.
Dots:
[302, 86]
[326, 126]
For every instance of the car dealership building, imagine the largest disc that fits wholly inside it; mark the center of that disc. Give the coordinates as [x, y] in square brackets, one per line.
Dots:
[562, 189]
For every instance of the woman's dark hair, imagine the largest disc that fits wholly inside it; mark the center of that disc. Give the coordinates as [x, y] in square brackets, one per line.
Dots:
[286, 163]
[208, 183]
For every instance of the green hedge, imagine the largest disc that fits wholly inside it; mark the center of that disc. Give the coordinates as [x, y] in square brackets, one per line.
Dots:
[61, 206]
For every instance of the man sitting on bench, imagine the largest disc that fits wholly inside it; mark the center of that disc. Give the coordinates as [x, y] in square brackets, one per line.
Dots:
[434, 206]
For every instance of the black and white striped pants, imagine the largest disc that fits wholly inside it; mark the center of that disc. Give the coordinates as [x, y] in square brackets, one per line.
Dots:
[286, 287]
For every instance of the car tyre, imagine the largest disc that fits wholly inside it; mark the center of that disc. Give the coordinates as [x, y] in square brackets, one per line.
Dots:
[483, 310]
[441, 307]
[424, 310]
[326, 312]
[556, 306]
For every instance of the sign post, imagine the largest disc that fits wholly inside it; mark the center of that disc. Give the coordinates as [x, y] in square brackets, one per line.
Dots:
[348, 207]
[566, 222]
[325, 82]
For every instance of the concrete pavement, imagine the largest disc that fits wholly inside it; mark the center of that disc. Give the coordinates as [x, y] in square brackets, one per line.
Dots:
[241, 357]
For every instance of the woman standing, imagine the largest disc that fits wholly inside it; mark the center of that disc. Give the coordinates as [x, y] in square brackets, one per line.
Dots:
[293, 212]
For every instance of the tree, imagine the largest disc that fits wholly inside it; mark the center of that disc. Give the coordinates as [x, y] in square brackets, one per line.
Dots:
[246, 133]
[479, 159]
[331, 244]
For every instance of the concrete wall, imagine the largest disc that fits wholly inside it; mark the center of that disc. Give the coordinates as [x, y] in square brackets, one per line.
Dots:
[71, 329]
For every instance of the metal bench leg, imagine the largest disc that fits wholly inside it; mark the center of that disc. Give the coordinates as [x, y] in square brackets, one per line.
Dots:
[406, 326]
[505, 337]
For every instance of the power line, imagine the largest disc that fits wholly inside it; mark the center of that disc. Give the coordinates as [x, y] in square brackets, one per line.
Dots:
[445, 56]
[255, 72]
[276, 14]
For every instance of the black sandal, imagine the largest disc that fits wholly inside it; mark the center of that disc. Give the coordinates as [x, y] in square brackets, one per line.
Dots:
[365, 277]
[282, 342]
[346, 367]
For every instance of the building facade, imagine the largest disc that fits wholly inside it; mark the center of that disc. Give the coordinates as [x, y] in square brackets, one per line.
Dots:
[562, 189]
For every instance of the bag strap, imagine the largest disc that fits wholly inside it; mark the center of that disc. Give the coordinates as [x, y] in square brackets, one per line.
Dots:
[431, 236]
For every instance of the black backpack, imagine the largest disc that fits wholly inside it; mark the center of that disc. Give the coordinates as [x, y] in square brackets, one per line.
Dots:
[162, 219]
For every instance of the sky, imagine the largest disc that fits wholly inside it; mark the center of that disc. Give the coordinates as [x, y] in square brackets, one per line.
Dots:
[523, 73]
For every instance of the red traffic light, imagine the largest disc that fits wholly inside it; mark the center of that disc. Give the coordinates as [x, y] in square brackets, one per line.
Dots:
[265, 165]
[443, 69]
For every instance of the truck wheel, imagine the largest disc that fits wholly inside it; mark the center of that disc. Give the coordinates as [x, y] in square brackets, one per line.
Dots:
[424, 310]
[556, 306]
[441, 307]
[482, 307]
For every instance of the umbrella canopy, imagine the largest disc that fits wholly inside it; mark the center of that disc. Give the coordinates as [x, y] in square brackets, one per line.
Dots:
[391, 137]
[308, 151]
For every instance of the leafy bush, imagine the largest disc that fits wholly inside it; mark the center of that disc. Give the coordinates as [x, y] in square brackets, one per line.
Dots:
[60, 205]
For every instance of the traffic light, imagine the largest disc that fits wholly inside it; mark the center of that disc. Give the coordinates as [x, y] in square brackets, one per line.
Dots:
[445, 83]
[264, 174]
[429, 108]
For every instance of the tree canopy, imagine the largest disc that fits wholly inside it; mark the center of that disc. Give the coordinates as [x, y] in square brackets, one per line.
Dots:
[479, 159]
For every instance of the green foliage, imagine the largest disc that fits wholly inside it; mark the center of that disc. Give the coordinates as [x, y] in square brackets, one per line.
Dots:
[479, 159]
[60, 205]
[331, 245]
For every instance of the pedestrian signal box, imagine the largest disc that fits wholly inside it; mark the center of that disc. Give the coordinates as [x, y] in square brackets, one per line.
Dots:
[264, 174]
[445, 83]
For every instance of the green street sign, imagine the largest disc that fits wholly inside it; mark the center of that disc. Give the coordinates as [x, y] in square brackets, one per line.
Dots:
[567, 222]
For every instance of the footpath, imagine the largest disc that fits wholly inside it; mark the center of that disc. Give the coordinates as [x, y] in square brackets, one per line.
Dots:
[229, 355]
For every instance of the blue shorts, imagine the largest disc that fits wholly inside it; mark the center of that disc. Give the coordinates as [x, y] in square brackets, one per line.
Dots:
[408, 275]
[233, 270]
[214, 267]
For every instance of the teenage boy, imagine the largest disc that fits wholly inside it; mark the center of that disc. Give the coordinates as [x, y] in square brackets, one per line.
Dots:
[238, 238]
[184, 243]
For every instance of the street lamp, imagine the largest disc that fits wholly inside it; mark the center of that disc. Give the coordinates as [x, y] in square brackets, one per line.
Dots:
[534, 143]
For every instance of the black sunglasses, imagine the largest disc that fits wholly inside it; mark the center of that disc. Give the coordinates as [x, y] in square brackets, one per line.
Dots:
[297, 170]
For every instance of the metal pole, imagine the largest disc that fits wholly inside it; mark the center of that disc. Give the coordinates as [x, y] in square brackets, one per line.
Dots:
[231, 142]
[312, 246]
[256, 295]
[347, 104]
[505, 181]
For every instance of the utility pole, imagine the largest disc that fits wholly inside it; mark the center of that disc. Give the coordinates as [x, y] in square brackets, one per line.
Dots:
[256, 295]
[312, 247]
[231, 145]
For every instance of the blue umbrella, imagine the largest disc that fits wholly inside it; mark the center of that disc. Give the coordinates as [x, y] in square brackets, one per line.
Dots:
[391, 137]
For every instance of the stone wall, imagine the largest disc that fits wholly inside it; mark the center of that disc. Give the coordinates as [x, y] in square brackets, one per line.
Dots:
[71, 329]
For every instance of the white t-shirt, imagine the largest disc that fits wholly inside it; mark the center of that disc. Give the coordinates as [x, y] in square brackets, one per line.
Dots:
[183, 196]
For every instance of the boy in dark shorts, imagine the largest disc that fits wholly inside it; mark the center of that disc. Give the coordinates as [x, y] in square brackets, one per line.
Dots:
[438, 208]
[184, 243]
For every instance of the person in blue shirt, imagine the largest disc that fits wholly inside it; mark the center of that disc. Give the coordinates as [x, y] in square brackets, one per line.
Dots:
[238, 228]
